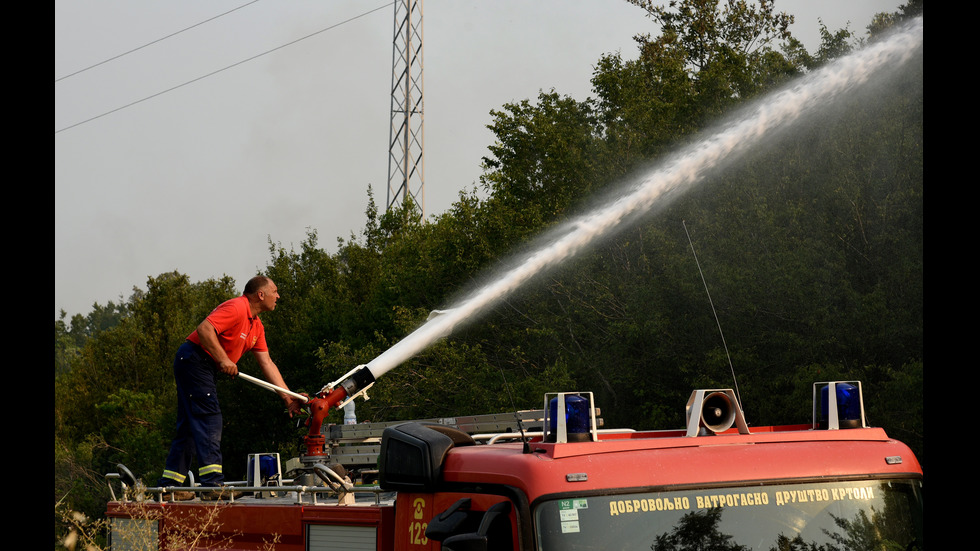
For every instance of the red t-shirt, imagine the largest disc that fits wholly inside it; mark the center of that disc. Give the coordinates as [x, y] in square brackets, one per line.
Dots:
[238, 332]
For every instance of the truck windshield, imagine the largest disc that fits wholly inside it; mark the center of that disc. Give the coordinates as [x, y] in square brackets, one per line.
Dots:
[828, 516]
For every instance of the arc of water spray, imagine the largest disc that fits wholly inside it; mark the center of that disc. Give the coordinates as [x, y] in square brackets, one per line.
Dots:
[686, 169]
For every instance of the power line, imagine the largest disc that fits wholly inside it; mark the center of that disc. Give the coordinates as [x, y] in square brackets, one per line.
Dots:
[171, 89]
[151, 43]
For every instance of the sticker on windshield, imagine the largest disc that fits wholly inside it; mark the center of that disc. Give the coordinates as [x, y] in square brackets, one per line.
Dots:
[568, 513]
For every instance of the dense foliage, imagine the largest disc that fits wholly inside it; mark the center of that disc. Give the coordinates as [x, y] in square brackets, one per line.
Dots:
[811, 249]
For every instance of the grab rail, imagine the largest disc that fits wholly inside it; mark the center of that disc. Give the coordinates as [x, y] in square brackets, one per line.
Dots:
[137, 492]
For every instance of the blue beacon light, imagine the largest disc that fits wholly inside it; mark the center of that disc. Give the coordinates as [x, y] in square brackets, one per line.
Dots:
[848, 405]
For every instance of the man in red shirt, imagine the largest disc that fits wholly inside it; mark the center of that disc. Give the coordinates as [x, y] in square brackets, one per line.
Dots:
[217, 344]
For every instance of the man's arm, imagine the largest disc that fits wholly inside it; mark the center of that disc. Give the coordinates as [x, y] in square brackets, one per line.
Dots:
[208, 336]
[271, 373]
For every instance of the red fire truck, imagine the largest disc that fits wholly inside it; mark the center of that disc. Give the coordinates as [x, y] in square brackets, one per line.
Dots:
[556, 479]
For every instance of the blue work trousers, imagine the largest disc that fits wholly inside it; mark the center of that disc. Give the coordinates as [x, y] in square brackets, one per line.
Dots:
[198, 420]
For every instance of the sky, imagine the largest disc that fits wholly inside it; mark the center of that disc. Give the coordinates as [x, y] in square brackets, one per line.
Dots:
[188, 135]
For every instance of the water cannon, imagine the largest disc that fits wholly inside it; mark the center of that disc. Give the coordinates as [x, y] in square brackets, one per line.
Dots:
[337, 394]
[355, 382]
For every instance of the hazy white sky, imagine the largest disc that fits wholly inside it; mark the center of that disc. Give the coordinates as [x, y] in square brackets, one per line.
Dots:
[173, 171]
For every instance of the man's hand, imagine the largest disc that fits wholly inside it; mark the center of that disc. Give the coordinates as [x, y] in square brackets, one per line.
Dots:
[295, 405]
[228, 367]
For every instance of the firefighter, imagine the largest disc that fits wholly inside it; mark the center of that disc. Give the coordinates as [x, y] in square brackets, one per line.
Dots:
[217, 344]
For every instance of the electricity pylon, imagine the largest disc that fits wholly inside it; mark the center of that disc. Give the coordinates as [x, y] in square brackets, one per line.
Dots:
[406, 174]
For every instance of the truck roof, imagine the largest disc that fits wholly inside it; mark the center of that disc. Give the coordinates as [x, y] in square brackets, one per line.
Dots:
[666, 459]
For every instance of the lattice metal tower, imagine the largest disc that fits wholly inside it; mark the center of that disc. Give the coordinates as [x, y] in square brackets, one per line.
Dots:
[406, 174]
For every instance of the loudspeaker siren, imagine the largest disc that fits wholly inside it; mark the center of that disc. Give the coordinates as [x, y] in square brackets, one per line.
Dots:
[717, 410]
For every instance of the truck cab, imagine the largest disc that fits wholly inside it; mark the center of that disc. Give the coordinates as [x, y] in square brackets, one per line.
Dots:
[833, 484]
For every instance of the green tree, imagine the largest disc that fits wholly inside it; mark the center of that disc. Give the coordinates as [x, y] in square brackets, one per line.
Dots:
[70, 336]
[543, 162]
[792, 240]
[725, 50]
[705, 61]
